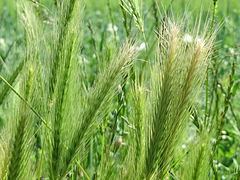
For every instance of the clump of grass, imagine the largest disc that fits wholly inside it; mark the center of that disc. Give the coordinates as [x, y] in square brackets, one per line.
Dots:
[58, 74]
[97, 98]
[177, 79]
[177, 76]
[69, 111]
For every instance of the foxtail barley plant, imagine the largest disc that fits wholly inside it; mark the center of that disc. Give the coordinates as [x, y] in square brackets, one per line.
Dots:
[126, 119]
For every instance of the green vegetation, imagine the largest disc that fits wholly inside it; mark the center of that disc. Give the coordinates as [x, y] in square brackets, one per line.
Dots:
[124, 89]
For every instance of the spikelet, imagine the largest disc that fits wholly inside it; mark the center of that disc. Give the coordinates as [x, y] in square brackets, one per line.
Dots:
[177, 77]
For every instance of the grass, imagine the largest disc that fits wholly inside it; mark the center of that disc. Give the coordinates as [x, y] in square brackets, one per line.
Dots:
[119, 90]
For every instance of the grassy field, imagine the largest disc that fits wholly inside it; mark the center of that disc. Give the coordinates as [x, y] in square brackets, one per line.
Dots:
[119, 89]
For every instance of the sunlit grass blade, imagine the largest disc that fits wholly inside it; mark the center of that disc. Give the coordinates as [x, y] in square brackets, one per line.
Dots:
[5, 89]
